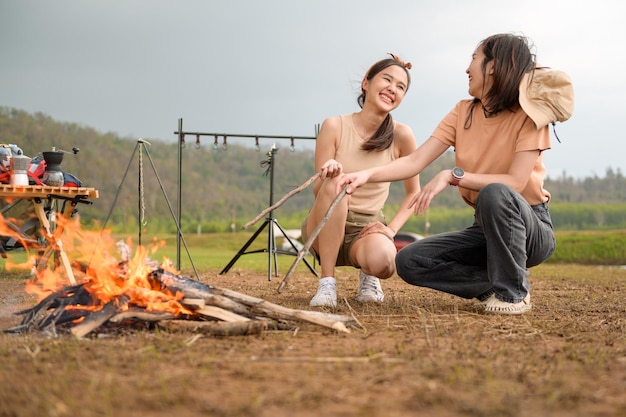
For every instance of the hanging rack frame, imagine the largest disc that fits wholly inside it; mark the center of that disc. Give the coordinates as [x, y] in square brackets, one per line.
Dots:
[270, 220]
[142, 148]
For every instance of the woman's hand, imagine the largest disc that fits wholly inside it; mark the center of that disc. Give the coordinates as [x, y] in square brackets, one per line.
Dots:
[353, 181]
[422, 199]
[377, 227]
[330, 169]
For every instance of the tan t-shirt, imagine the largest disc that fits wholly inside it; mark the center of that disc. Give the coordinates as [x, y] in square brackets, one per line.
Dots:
[490, 143]
[369, 198]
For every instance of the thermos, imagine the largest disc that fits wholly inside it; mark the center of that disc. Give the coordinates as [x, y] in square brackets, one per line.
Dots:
[19, 169]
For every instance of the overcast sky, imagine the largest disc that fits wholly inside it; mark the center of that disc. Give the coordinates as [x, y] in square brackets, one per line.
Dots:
[279, 67]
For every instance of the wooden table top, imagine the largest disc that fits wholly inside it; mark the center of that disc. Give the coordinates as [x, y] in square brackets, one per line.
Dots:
[44, 191]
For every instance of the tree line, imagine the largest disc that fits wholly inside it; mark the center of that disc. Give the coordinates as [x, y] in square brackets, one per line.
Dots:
[223, 189]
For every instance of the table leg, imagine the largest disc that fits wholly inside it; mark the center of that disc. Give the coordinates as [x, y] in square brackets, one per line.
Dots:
[55, 241]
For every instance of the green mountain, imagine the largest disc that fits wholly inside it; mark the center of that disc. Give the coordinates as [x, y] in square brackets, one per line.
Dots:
[218, 188]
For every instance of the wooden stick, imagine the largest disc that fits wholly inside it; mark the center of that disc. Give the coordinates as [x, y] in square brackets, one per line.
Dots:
[265, 308]
[94, 320]
[142, 315]
[282, 200]
[220, 314]
[311, 239]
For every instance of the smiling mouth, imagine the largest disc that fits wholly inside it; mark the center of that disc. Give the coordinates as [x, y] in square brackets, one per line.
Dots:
[387, 98]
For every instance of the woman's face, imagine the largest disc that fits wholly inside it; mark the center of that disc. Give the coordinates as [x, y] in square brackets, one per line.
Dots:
[387, 88]
[478, 84]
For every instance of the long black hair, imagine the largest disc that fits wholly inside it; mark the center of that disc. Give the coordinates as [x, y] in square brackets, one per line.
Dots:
[512, 58]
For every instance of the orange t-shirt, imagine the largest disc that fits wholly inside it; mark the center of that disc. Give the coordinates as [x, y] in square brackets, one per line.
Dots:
[490, 143]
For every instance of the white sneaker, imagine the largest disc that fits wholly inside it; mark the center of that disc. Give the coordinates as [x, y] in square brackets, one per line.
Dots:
[493, 305]
[326, 295]
[369, 289]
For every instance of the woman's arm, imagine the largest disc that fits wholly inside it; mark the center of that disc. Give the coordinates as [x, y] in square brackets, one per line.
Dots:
[325, 150]
[516, 178]
[400, 169]
[404, 144]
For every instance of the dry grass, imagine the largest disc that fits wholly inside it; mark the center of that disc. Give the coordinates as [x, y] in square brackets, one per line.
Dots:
[422, 353]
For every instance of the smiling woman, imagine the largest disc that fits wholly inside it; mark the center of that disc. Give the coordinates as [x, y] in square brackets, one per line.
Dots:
[357, 233]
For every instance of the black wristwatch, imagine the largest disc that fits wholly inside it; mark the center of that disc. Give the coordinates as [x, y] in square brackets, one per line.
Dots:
[457, 176]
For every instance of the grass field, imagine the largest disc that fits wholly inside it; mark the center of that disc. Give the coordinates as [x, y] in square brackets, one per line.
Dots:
[215, 251]
[419, 353]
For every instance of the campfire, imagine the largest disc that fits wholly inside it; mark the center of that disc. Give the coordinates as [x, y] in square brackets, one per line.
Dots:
[117, 289]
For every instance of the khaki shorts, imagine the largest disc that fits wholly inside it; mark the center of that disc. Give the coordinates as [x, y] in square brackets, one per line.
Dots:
[354, 223]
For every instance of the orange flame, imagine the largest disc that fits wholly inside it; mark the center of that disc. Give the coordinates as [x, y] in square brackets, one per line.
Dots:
[109, 268]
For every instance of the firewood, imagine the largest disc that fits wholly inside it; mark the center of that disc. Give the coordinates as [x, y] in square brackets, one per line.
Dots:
[161, 279]
[51, 310]
[228, 304]
[59, 316]
[73, 295]
[97, 318]
[235, 312]
[220, 314]
[311, 239]
[257, 306]
[268, 309]
[142, 315]
[193, 303]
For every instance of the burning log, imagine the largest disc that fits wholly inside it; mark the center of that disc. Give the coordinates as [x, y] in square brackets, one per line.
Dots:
[97, 318]
[51, 311]
[135, 291]
[204, 308]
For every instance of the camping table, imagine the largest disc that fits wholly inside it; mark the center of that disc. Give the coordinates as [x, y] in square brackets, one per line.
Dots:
[36, 194]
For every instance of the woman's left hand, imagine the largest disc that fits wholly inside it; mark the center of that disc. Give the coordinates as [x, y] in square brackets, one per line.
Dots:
[377, 227]
[422, 199]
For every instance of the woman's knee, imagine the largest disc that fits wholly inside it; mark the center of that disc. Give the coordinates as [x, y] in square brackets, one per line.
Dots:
[493, 197]
[491, 192]
[378, 261]
[413, 259]
[402, 261]
[324, 198]
[384, 269]
[329, 187]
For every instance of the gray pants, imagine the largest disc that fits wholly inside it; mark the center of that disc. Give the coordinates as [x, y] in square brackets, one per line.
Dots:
[491, 256]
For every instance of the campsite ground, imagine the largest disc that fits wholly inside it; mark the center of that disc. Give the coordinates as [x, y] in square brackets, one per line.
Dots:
[419, 353]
